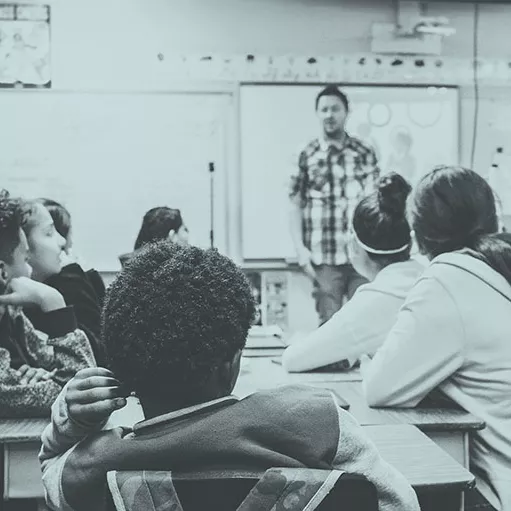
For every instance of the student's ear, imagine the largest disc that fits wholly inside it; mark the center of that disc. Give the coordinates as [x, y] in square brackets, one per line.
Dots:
[172, 235]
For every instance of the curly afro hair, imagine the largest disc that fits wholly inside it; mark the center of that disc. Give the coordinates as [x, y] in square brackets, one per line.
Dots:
[172, 316]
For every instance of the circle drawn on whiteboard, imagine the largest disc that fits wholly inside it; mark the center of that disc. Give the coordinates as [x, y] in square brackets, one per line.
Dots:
[379, 115]
[426, 114]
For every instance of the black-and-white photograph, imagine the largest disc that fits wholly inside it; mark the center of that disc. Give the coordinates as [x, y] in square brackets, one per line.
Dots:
[255, 255]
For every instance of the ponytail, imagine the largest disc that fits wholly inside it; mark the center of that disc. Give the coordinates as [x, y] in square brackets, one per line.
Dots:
[495, 251]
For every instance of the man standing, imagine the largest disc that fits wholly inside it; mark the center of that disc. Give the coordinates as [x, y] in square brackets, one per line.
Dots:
[334, 172]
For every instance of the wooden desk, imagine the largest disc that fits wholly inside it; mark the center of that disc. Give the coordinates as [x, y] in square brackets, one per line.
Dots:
[438, 480]
[448, 427]
[20, 440]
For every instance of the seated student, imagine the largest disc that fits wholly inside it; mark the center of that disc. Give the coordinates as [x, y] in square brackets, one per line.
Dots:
[159, 224]
[175, 323]
[62, 221]
[453, 332]
[46, 257]
[33, 366]
[379, 251]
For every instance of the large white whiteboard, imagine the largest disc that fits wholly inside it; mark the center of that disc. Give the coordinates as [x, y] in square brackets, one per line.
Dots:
[109, 157]
[277, 122]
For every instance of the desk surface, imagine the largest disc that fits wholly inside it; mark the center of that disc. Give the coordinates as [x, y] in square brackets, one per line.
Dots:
[262, 373]
[21, 430]
[419, 459]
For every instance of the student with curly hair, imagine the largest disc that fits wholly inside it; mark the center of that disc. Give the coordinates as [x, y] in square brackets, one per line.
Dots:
[48, 231]
[34, 366]
[380, 251]
[175, 322]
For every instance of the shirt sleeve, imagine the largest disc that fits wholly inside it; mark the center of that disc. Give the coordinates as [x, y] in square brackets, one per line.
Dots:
[22, 400]
[65, 348]
[298, 180]
[58, 440]
[424, 348]
[372, 172]
[345, 336]
[356, 453]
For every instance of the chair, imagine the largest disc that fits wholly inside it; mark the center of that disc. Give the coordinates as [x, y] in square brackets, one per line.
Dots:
[283, 489]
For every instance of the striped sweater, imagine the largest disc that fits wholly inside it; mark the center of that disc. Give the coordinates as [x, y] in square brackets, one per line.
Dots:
[63, 347]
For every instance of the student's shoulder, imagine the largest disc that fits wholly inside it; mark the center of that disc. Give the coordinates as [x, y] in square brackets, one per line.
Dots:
[295, 399]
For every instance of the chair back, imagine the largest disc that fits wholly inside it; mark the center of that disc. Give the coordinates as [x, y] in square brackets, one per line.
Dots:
[278, 489]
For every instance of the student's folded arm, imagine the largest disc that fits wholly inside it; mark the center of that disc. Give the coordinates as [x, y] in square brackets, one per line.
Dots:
[424, 348]
[336, 340]
[19, 399]
[63, 347]
[58, 440]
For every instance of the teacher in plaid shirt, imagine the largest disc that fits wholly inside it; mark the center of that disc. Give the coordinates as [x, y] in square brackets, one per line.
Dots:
[334, 172]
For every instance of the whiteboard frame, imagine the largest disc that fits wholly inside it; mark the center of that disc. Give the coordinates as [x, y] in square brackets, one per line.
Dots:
[279, 263]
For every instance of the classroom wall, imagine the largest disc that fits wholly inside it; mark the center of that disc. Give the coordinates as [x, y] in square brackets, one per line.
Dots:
[121, 44]
[116, 43]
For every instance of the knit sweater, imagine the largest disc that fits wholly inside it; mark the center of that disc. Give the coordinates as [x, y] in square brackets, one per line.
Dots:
[63, 347]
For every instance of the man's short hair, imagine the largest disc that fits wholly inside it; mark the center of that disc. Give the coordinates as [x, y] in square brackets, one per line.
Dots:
[333, 90]
[12, 215]
[172, 316]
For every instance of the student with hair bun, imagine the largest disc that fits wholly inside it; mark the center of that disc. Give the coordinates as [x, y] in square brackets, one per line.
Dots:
[380, 251]
[453, 332]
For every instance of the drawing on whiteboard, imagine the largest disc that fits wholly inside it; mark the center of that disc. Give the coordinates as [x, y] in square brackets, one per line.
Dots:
[401, 159]
[25, 46]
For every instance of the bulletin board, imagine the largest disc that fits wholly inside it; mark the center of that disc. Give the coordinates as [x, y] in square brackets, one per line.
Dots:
[109, 157]
[277, 121]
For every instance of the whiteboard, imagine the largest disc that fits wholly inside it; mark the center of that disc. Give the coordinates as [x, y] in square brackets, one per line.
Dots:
[278, 121]
[109, 157]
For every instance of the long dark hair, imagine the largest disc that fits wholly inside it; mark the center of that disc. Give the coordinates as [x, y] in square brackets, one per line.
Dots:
[454, 208]
[59, 214]
[379, 220]
[157, 224]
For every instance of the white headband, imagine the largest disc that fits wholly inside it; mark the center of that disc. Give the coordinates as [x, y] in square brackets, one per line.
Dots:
[378, 251]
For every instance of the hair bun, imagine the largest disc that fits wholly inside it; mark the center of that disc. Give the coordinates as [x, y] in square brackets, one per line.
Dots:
[393, 190]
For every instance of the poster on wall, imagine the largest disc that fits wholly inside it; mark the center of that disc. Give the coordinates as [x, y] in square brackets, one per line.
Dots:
[276, 298]
[24, 46]
[410, 128]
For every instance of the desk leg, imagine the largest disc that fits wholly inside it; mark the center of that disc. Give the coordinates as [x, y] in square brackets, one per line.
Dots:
[454, 443]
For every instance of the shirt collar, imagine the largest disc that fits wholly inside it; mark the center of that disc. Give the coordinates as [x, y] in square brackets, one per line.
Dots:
[184, 413]
[338, 144]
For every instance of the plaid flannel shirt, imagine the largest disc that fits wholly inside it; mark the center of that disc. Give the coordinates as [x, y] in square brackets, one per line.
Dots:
[330, 182]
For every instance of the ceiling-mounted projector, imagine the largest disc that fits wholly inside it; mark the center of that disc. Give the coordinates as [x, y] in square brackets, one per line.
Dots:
[412, 21]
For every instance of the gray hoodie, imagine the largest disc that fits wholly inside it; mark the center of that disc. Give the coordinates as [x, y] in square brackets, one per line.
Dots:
[454, 332]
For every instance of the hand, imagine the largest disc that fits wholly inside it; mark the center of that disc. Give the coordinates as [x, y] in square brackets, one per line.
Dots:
[26, 292]
[32, 375]
[93, 394]
[305, 262]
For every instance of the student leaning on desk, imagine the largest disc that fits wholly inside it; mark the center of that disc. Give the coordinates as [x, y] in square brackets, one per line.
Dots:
[453, 331]
[379, 250]
[34, 366]
[175, 323]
